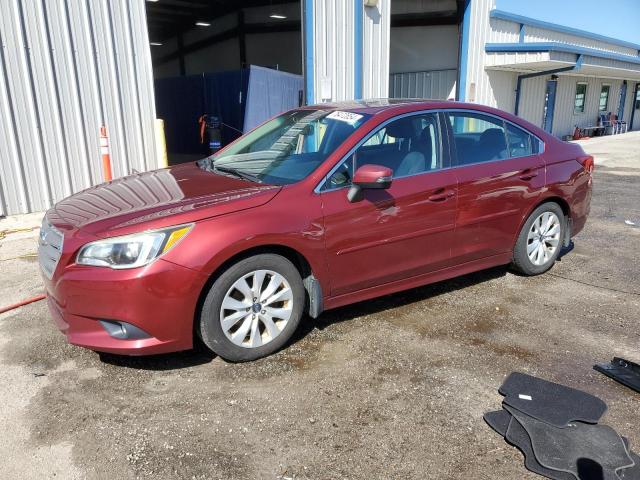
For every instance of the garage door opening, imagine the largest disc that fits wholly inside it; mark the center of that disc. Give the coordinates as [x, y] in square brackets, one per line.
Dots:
[425, 46]
[222, 67]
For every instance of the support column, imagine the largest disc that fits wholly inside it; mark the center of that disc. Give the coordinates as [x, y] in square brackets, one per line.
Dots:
[346, 49]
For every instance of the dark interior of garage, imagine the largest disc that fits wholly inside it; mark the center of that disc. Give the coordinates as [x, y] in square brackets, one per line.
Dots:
[222, 67]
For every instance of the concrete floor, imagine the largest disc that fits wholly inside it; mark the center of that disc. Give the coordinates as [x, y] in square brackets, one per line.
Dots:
[393, 388]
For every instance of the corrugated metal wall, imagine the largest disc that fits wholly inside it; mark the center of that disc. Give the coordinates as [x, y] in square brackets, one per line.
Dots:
[334, 55]
[537, 34]
[436, 84]
[376, 46]
[66, 68]
[565, 119]
[333, 52]
[497, 88]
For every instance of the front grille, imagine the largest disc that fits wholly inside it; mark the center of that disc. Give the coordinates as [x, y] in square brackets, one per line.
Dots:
[49, 248]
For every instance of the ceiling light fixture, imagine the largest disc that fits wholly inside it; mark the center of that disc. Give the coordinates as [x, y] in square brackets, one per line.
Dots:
[155, 44]
[203, 24]
[279, 17]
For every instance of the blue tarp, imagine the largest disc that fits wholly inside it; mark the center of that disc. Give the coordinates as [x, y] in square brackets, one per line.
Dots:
[241, 99]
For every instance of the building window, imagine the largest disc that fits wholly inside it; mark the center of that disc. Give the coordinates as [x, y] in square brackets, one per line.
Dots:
[581, 94]
[637, 106]
[604, 98]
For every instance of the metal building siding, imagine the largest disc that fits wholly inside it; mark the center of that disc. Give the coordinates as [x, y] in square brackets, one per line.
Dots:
[66, 68]
[532, 99]
[376, 45]
[537, 34]
[565, 120]
[478, 87]
[333, 55]
[435, 84]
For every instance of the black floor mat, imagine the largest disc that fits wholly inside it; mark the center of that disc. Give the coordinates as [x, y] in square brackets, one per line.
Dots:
[590, 452]
[550, 402]
[498, 421]
[623, 371]
[632, 473]
[518, 437]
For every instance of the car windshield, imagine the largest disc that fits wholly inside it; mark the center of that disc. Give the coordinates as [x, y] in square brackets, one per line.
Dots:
[287, 148]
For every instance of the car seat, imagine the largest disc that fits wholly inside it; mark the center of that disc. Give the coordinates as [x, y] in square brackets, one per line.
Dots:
[492, 145]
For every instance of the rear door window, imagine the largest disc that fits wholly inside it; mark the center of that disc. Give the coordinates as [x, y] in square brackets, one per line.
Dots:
[521, 143]
[478, 138]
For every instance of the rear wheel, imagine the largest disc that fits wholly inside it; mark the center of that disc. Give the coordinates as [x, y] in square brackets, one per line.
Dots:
[540, 240]
[253, 308]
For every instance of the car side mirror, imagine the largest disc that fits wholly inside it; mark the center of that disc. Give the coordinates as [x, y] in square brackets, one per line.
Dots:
[369, 177]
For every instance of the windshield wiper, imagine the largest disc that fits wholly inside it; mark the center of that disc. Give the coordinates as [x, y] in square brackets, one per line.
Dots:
[238, 173]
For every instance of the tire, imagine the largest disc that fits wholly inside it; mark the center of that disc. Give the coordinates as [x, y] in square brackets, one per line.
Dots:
[250, 328]
[528, 259]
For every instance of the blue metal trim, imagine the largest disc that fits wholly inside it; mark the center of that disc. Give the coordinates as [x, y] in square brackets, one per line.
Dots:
[464, 52]
[633, 106]
[358, 49]
[559, 47]
[550, 104]
[622, 100]
[512, 17]
[308, 52]
[522, 33]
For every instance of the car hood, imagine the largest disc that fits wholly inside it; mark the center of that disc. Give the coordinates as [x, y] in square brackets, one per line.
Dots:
[171, 196]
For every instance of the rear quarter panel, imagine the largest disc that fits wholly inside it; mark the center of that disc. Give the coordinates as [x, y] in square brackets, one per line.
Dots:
[568, 180]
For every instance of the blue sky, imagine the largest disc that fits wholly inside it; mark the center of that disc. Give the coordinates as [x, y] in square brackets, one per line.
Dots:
[614, 18]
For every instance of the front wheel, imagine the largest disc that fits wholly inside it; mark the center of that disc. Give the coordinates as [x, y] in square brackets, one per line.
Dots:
[253, 308]
[540, 240]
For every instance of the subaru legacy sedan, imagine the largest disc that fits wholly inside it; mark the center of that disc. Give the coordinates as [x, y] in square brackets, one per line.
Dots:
[317, 208]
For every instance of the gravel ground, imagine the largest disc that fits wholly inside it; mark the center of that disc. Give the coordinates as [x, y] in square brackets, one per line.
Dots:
[392, 388]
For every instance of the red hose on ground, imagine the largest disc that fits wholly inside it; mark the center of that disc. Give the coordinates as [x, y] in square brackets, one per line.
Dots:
[23, 302]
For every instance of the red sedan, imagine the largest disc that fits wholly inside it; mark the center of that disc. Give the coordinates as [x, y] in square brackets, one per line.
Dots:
[317, 208]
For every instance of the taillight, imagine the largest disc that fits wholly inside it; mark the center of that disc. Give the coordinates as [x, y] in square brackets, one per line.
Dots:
[587, 163]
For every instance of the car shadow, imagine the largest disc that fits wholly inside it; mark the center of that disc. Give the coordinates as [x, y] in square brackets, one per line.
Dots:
[395, 300]
[200, 355]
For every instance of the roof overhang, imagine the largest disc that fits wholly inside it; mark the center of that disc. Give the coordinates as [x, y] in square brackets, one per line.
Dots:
[540, 57]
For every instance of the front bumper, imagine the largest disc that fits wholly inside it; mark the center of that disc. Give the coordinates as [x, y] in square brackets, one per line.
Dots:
[159, 299]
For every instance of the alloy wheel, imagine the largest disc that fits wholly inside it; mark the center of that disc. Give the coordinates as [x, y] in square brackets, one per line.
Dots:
[543, 238]
[256, 309]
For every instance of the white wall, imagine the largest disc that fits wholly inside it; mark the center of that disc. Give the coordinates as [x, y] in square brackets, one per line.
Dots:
[417, 49]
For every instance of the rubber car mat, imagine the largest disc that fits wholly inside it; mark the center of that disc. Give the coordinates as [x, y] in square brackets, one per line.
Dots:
[498, 421]
[631, 473]
[518, 437]
[550, 402]
[588, 451]
[622, 371]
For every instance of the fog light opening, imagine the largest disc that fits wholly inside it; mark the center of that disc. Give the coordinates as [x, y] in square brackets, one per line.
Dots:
[123, 330]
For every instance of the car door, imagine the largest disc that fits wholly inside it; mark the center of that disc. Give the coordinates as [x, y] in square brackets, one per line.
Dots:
[397, 233]
[500, 175]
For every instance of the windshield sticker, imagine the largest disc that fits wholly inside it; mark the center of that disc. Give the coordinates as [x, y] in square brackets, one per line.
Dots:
[348, 117]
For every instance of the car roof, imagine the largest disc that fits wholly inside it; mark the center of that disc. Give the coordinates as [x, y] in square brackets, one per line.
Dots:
[377, 105]
[394, 106]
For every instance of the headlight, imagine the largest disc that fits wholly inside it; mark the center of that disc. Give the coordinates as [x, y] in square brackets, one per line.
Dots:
[131, 251]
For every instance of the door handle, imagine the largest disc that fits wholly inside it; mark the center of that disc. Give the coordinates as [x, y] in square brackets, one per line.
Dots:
[528, 174]
[441, 195]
